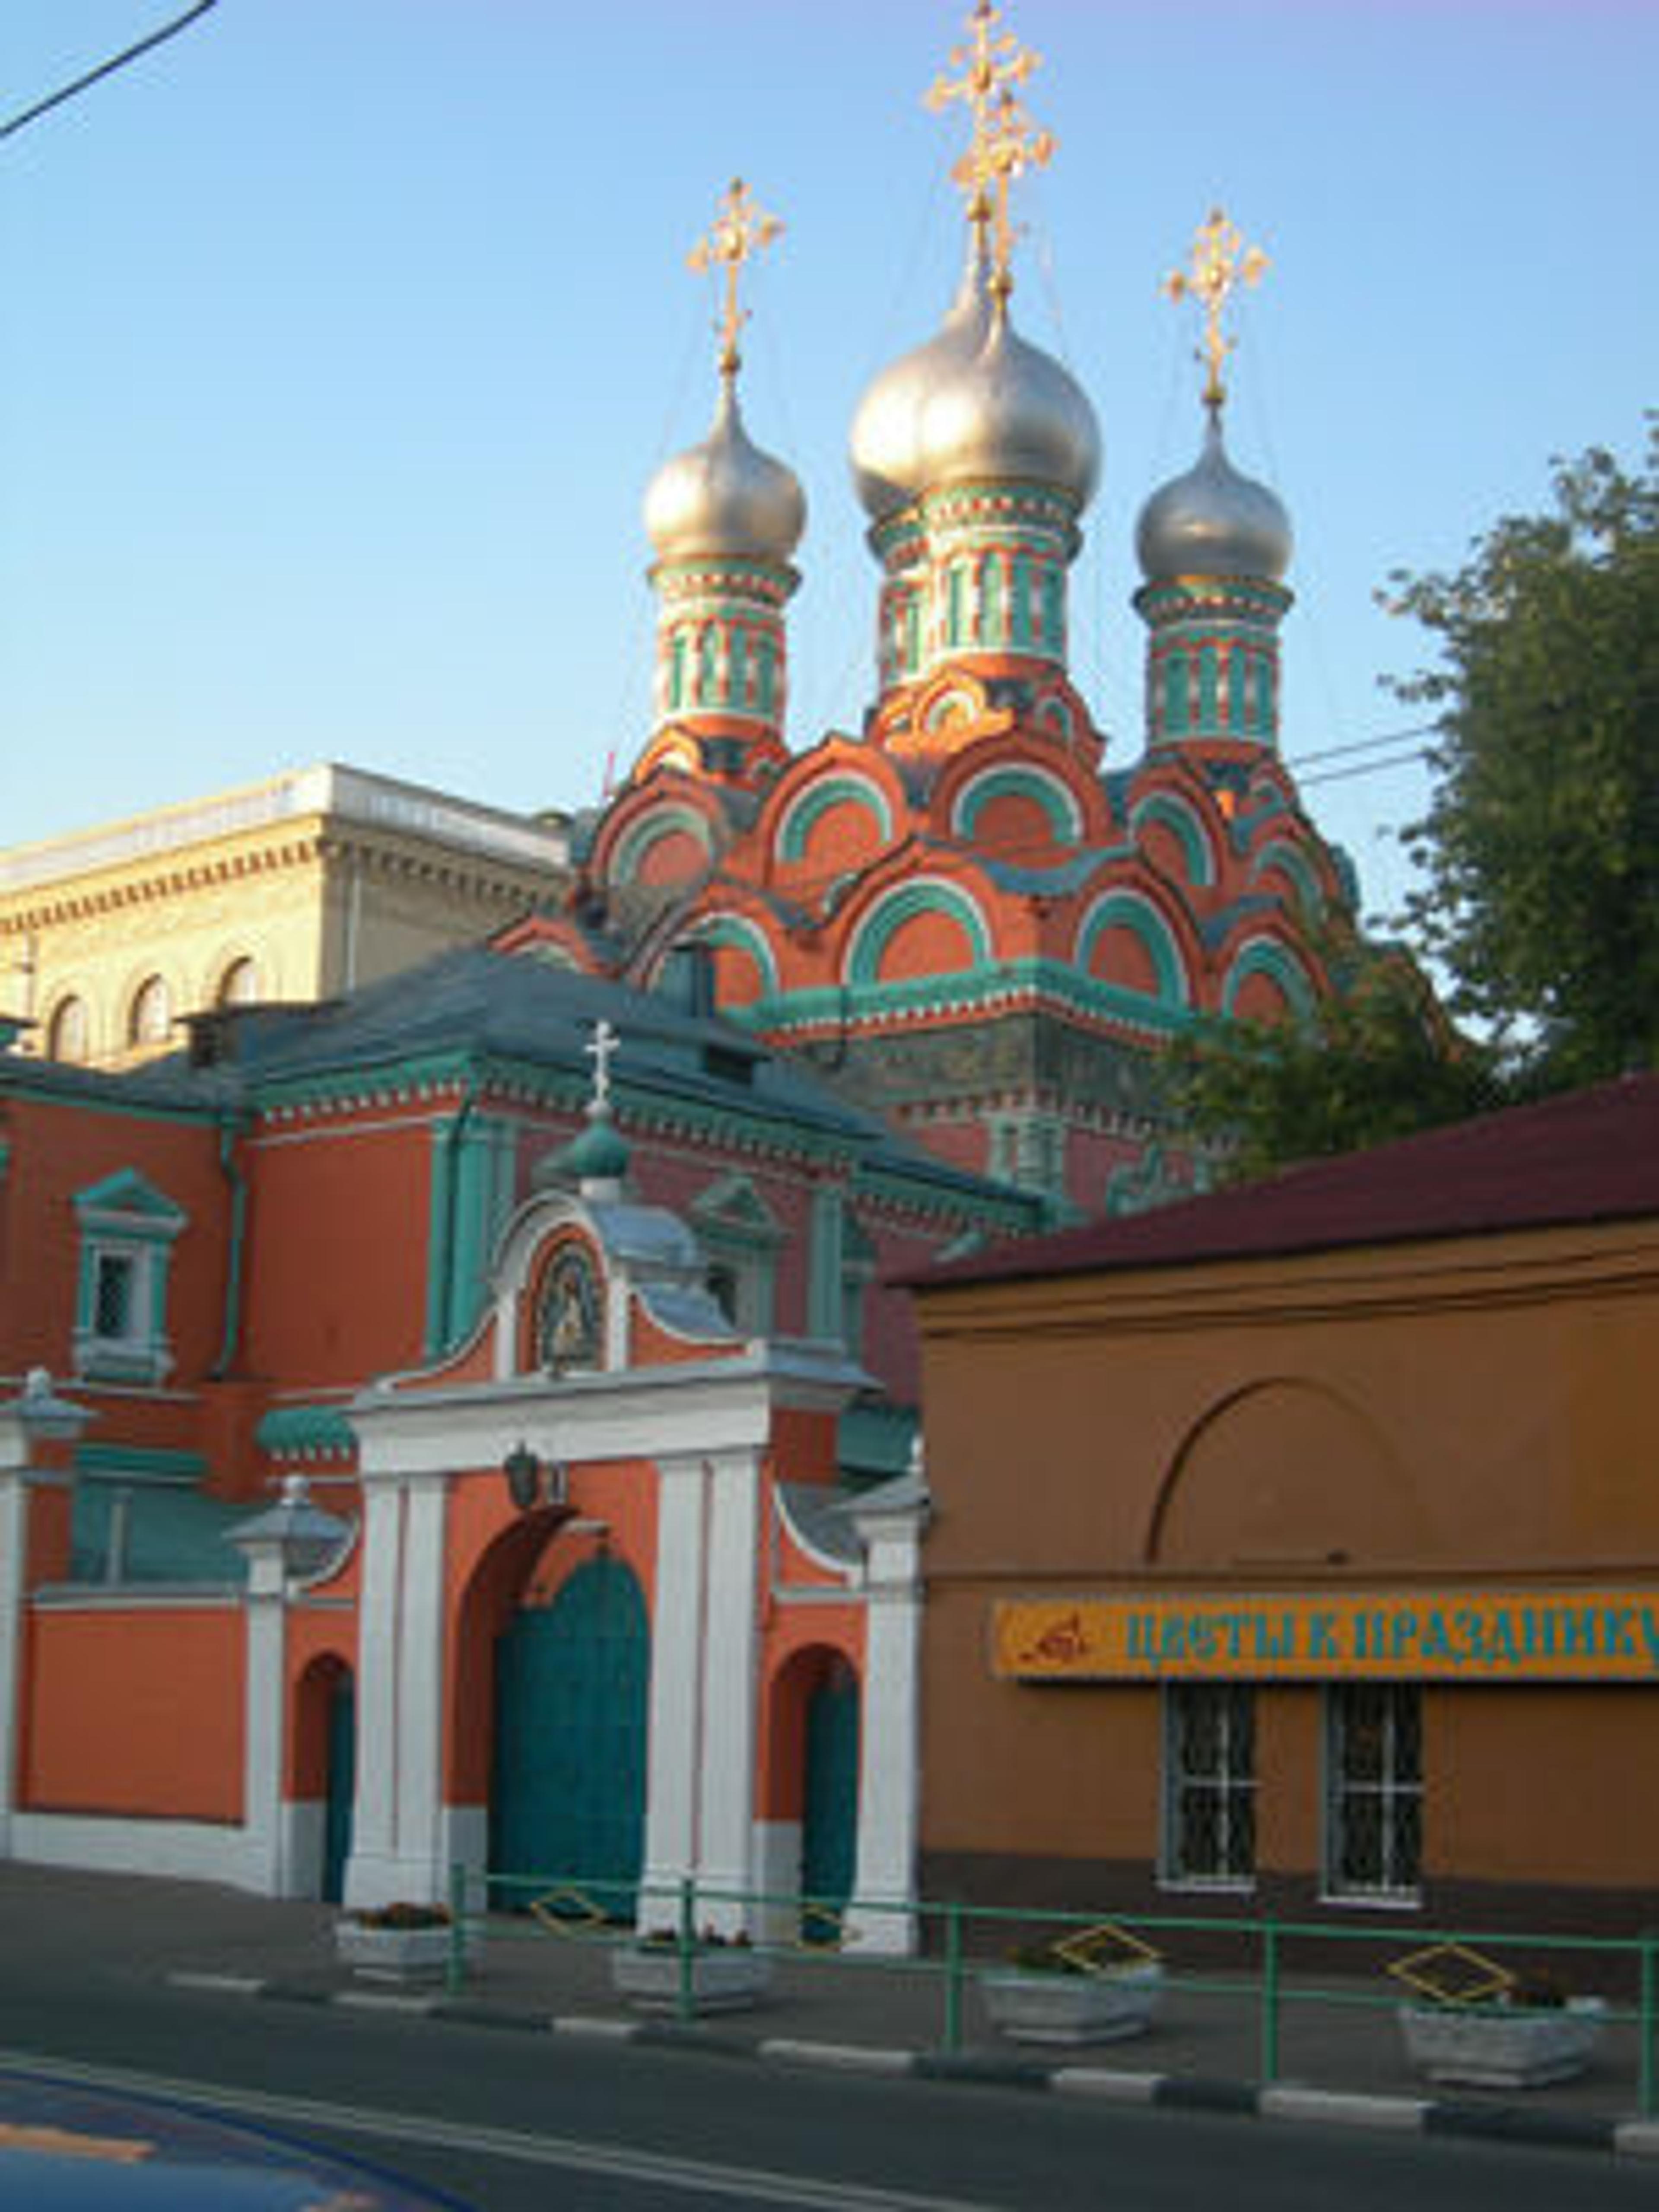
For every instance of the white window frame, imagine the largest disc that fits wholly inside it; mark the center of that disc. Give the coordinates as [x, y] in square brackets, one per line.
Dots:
[125, 1221]
[1391, 1791]
[1233, 1778]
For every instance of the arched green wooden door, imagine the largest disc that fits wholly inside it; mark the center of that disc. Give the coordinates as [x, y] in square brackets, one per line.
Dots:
[571, 1681]
[830, 1814]
[342, 1786]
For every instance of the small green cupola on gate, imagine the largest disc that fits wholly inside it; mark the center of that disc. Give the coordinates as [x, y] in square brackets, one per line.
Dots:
[1214, 547]
[725, 518]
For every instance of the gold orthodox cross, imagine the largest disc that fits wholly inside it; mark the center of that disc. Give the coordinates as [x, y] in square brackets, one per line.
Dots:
[1003, 142]
[741, 227]
[1220, 262]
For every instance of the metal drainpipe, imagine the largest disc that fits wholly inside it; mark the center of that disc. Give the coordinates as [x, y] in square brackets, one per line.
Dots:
[453, 1137]
[119, 1536]
[230, 1128]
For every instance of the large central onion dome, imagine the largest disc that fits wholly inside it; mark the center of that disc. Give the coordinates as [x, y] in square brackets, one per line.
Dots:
[975, 405]
[1213, 522]
[725, 497]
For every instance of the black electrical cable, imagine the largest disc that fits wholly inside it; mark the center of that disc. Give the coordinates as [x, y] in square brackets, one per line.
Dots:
[105, 68]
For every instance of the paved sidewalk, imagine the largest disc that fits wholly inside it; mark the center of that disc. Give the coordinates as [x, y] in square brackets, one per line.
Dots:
[1339, 2055]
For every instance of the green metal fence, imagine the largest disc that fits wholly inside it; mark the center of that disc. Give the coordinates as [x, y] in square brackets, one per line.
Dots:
[1273, 1968]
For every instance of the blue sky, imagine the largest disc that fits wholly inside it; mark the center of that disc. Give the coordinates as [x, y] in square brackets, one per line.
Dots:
[340, 338]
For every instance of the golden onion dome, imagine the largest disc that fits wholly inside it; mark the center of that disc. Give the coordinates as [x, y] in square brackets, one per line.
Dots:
[976, 403]
[725, 496]
[1213, 522]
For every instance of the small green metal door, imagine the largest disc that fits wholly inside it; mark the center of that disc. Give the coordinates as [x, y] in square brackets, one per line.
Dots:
[831, 1816]
[572, 1682]
[341, 1787]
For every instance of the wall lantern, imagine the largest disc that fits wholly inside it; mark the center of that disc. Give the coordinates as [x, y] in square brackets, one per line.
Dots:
[532, 1481]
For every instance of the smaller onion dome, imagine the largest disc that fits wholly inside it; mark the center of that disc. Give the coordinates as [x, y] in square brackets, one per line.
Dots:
[1213, 522]
[725, 496]
[595, 1159]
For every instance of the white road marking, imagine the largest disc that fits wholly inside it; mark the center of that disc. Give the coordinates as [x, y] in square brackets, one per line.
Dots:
[694, 2175]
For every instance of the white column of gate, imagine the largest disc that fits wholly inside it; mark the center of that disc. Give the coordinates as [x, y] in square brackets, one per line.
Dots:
[397, 1843]
[731, 1656]
[889, 1733]
[37, 1414]
[704, 1638]
[674, 1748]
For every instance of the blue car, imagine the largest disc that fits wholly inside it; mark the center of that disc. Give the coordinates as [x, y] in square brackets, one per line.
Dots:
[67, 2148]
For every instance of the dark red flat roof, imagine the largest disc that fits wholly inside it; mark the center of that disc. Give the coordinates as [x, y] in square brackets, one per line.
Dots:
[1589, 1155]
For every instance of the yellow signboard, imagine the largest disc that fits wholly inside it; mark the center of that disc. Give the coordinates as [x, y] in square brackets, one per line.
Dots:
[1554, 1635]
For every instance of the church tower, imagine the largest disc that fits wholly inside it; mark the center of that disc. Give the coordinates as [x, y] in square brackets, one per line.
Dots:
[987, 936]
[1214, 546]
[975, 455]
[725, 518]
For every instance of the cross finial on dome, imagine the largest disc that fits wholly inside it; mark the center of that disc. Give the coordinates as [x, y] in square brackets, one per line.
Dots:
[740, 229]
[1004, 142]
[1220, 262]
[600, 1049]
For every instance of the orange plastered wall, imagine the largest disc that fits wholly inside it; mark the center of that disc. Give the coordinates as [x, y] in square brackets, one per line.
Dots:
[795, 1567]
[931, 944]
[135, 1712]
[1015, 827]
[58, 1150]
[474, 1362]
[339, 1220]
[648, 1346]
[803, 1446]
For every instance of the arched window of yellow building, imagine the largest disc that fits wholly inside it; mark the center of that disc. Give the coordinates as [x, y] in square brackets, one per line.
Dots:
[151, 1019]
[68, 1032]
[239, 984]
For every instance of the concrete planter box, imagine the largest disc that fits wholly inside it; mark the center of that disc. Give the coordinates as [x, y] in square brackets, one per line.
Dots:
[1030, 2008]
[725, 1979]
[1503, 2046]
[395, 1954]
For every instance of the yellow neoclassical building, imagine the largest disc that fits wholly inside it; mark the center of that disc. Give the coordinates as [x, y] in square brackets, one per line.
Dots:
[295, 889]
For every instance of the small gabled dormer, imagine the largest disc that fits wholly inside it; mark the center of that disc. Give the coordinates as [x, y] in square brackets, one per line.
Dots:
[128, 1230]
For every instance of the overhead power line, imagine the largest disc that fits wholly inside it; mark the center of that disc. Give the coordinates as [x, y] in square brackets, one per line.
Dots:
[105, 68]
[1365, 768]
[1365, 744]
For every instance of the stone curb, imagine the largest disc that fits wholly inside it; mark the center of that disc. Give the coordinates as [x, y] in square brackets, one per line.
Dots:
[1284, 2102]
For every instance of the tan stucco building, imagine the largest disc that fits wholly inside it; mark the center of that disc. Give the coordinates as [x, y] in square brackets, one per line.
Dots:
[295, 888]
[1299, 1546]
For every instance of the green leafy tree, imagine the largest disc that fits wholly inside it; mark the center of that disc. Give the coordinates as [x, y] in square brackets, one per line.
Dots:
[1540, 853]
[1376, 1059]
[1540, 845]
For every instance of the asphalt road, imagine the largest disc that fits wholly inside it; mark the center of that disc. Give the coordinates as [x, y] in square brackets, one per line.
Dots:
[508, 2121]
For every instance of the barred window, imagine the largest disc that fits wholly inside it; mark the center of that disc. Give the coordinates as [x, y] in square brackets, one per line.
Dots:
[1209, 1765]
[127, 1232]
[1374, 1826]
[115, 1296]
